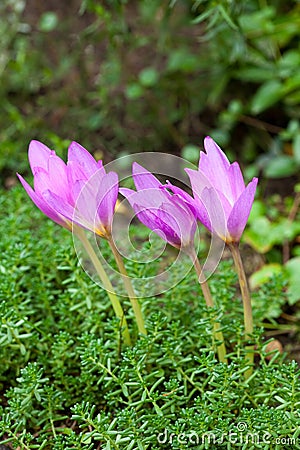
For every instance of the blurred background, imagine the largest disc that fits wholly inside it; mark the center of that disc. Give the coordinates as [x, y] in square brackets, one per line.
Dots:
[131, 76]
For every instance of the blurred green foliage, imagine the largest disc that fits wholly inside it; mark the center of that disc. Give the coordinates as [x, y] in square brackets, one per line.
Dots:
[137, 76]
[273, 232]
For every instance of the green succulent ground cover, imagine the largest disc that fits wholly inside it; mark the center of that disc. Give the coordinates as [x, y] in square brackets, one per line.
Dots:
[68, 382]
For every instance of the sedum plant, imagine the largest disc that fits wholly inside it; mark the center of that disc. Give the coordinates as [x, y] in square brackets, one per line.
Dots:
[71, 376]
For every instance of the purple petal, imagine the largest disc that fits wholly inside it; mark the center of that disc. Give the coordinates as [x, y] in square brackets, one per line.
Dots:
[76, 179]
[182, 197]
[87, 203]
[180, 219]
[202, 215]
[149, 198]
[172, 216]
[176, 190]
[158, 221]
[42, 204]
[214, 165]
[214, 217]
[59, 204]
[75, 172]
[240, 212]
[58, 178]
[41, 181]
[127, 193]
[148, 211]
[80, 155]
[215, 154]
[95, 204]
[38, 155]
[107, 198]
[199, 181]
[55, 179]
[143, 179]
[100, 166]
[236, 181]
[67, 211]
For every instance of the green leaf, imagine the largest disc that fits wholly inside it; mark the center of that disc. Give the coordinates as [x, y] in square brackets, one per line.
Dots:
[182, 60]
[258, 20]
[48, 21]
[293, 270]
[264, 274]
[290, 59]
[203, 16]
[259, 235]
[281, 166]
[227, 18]
[296, 147]
[258, 210]
[134, 91]
[255, 74]
[291, 84]
[148, 77]
[267, 95]
[191, 153]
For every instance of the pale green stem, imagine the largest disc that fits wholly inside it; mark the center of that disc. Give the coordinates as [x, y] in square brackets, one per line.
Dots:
[248, 318]
[221, 349]
[79, 232]
[129, 289]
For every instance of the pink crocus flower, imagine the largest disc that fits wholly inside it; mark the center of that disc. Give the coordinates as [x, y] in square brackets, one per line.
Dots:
[164, 213]
[79, 192]
[221, 201]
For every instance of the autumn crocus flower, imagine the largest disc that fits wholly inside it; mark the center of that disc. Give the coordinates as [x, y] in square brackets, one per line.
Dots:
[221, 201]
[79, 192]
[164, 213]
[77, 195]
[173, 219]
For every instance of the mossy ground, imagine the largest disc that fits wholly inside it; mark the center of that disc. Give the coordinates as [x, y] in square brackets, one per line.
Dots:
[68, 381]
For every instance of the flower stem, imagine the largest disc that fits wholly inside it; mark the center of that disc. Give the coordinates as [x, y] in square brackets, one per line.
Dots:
[248, 319]
[128, 286]
[221, 349]
[106, 283]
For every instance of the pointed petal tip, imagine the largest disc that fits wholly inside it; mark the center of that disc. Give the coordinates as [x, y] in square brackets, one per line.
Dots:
[126, 192]
[34, 144]
[238, 217]
[75, 147]
[143, 179]
[137, 168]
[252, 185]
[38, 155]
[190, 171]
[24, 183]
[21, 179]
[77, 153]
[210, 143]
